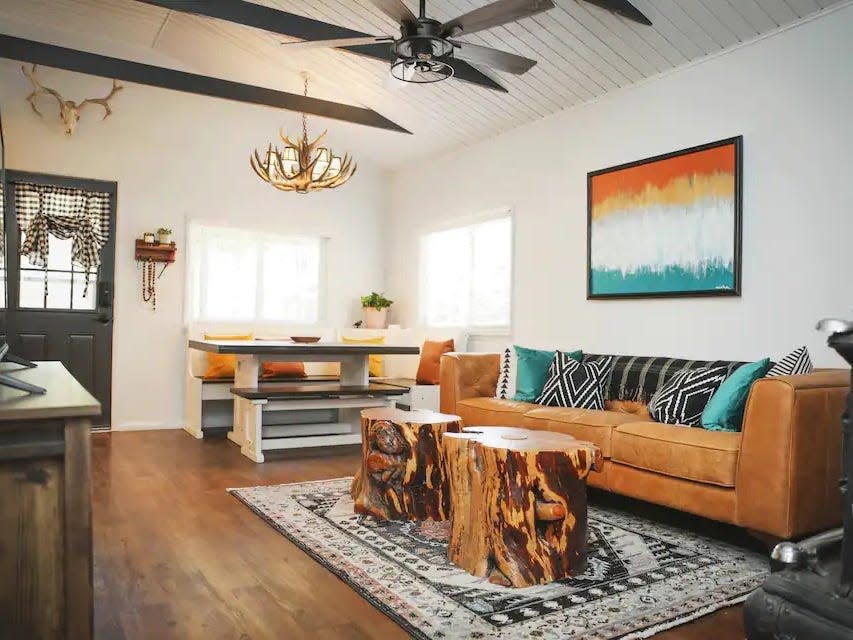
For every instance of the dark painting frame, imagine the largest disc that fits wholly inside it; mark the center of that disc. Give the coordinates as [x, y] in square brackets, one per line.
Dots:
[737, 224]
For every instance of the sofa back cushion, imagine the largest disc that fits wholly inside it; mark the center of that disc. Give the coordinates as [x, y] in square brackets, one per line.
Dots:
[638, 378]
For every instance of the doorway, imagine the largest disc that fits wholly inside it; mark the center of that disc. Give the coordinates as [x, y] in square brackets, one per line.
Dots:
[59, 311]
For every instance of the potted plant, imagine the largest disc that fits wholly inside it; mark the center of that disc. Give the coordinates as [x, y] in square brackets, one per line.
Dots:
[375, 310]
[164, 235]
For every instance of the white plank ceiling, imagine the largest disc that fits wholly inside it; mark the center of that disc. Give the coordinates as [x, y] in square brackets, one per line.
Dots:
[583, 53]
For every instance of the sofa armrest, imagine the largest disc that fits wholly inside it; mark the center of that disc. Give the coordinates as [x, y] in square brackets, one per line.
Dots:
[790, 454]
[467, 375]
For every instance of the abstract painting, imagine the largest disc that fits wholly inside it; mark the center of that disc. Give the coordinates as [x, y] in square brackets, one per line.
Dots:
[667, 226]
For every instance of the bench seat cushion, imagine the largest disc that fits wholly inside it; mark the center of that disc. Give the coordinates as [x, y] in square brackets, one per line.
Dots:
[584, 424]
[693, 454]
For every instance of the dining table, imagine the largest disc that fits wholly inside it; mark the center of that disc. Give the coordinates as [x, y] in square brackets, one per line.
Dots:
[249, 354]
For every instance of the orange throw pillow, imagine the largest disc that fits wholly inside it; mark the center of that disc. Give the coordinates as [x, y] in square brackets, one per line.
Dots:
[430, 364]
[222, 365]
[283, 370]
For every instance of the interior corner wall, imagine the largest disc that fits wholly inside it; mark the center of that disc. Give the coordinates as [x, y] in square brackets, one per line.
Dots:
[178, 157]
[791, 97]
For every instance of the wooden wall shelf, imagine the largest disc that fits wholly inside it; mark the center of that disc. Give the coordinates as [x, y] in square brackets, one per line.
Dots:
[155, 251]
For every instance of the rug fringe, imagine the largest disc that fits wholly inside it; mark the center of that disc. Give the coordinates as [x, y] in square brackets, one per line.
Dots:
[281, 484]
[648, 632]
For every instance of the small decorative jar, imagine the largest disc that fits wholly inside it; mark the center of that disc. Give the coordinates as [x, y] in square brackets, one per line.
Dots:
[149, 238]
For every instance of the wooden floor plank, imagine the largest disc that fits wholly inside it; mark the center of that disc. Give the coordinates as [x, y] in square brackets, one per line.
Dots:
[176, 557]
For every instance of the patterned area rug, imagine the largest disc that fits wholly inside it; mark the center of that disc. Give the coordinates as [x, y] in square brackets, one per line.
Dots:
[642, 577]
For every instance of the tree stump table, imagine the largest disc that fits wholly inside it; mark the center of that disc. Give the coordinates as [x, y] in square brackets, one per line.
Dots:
[518, 501]
[402, 474]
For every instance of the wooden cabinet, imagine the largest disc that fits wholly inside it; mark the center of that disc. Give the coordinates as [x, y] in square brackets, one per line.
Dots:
[45, 507]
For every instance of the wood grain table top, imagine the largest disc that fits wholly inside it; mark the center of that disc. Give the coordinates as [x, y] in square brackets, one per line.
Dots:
[65, 397]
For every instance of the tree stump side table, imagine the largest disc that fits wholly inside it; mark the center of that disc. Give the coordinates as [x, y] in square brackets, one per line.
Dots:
[518, 503]
[402, 474]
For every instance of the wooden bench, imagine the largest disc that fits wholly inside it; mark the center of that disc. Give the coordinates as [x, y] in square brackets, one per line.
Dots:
[209, 404]
[294, 399]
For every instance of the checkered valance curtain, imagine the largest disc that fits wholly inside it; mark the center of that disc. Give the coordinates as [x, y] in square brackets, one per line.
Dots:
[83, 216]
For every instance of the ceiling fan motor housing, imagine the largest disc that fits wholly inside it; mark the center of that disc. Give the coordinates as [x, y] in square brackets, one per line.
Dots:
[421, 40]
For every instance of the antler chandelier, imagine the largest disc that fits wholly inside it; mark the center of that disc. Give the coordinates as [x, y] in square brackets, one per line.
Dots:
[302, 166]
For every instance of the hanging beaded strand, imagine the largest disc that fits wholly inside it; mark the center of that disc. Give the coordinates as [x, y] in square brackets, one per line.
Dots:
[149, 292]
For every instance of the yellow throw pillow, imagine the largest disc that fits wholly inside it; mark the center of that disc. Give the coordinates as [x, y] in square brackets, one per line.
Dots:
[376, 366]
[222, 365]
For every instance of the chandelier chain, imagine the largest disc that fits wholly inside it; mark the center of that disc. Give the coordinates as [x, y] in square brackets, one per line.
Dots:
[304, 117]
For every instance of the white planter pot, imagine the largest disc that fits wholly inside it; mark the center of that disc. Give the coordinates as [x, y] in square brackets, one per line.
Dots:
[164, 238]
[375, 318]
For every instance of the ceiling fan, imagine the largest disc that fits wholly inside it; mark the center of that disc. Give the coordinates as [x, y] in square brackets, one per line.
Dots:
[426, 48]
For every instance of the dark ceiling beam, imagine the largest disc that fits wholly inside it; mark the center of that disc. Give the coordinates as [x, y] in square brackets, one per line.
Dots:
[50, 55]
[290, 24]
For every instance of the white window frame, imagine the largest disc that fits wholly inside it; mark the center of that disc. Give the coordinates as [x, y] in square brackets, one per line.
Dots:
[196, 296]
[458, 223]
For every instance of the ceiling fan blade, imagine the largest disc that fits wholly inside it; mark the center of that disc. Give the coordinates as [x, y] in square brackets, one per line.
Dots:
[624, 8]
[494, 15]
[500, 60]
[335, 42]
[395, 9]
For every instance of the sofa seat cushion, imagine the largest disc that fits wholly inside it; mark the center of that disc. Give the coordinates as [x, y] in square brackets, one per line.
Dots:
[584, 424]
[703, 456]
[492, 412]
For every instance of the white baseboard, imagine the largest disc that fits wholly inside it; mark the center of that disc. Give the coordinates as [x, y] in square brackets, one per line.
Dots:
[143, 426]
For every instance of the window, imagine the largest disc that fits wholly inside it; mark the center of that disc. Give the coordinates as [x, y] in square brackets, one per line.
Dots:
[61, 286]
[253, 276]
[466, 276]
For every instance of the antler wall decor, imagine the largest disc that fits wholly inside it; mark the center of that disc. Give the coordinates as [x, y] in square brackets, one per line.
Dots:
[69, 111]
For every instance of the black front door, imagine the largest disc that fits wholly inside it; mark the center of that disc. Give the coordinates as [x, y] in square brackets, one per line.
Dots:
[51, 314]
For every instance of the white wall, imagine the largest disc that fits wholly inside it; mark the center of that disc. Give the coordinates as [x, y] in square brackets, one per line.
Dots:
[176, 157]
[789, 95]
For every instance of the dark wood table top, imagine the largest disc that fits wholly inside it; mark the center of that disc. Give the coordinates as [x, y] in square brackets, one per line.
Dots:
[286, 347]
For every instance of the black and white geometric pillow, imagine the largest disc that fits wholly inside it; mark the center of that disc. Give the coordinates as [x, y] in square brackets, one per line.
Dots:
[683, 398]
[506, 376]
[576, 384]
[795, 363]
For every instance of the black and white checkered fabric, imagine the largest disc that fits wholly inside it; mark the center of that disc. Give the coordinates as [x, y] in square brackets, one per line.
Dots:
[576, 384]
[638, 378]
[682, 400]
[83, 216]
[795, 363]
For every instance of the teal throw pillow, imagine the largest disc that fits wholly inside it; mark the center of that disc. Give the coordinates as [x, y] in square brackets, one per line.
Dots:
[532, 371]
[724, 411]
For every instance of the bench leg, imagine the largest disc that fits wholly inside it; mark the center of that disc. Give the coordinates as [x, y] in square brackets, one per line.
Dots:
[252, 426]
[245, 375]
[193, 408]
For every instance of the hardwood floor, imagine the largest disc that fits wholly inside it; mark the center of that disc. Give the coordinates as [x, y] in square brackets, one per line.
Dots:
[178, 557]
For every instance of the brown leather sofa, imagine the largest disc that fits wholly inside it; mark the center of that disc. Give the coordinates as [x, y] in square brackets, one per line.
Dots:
[778, 476]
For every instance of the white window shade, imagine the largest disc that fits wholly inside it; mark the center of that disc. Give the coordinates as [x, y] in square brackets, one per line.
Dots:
[238, 275]
[466, 276]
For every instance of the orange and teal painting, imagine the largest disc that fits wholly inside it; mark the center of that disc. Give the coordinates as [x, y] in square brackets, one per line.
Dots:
[667, 226]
